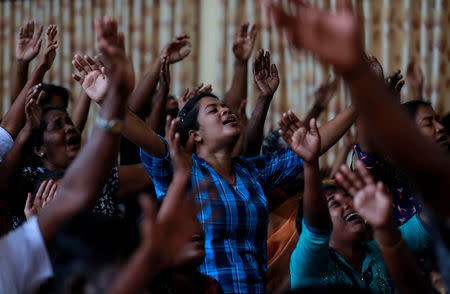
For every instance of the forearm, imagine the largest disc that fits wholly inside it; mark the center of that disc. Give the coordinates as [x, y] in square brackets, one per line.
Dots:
[81, 111]
[145, 88]
[315, 208]
[238, 88]
[333, 130]
[14, 119]
[255, 130]
[156, 120]
[399, 261]
[19, 78]
[10, 165]
[140, 134]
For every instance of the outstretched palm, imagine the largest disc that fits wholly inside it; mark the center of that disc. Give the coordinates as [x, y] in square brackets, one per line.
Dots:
[306, 143]
[265, 74]
[244, 42]
[174, 50]
[28, 45]
[92, 79]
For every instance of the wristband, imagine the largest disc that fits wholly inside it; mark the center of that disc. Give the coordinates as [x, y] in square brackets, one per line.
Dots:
[114, 125]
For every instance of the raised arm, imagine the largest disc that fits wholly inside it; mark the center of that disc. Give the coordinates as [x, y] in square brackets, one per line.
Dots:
[415, 80]
[157, 117]
[80, 111]
[84, 180]
[163, 233]
[242, 49]
[267, 81]
[331, 132]
[175, 51]
[9, 167]
[15, 118]
[305, 142]
[374, 203]
[27, 48]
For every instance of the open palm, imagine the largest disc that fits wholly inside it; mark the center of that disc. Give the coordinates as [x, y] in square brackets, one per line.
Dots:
[91, 78]
[28, 45]
[306, 143]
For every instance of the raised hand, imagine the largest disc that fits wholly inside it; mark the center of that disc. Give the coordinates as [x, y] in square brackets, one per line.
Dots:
[334, 36]
[92, 77]
[188, 95]
[415, 79]
[181, 156]
[372, 201]
[244, 42]
[174, 49]
[45, 194]
[303, 141]
[265, 74]
[28, 44]
[50, 46]
[118, 67]
[395, 82]
[33, 111]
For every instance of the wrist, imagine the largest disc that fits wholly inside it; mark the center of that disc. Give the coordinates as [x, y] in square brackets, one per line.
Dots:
[240, 62]
[22, 63]
[182, 175]
[387, 236]
[43, 65]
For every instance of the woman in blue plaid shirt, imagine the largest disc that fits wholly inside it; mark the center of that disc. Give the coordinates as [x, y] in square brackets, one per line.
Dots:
[235, 218]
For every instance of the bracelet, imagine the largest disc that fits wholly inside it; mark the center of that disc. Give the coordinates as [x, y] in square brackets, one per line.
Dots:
[114, 125]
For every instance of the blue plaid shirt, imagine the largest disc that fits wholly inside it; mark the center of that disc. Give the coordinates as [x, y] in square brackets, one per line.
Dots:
[235, 221]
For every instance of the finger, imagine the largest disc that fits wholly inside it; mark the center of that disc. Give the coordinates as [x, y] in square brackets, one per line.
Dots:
[40, 191]
[98, 59]
[267, 60]
[286, 138]
[51, 194]
[185, 53]
[121, 41]
[94, 65]
[40, 98]
[47, 189]
[83, 63]
[296, 123]
[344, 182]
[364, 173]
[355, 180]
[21, 33]
[243, 31]
[182, 37]
[29, 203]
[80, 69]
[274, 71]
[313, 127]
[77, 78]
[344, 5]
[39, 31]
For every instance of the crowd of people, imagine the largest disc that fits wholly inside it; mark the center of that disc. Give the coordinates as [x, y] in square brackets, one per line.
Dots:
[185, 195]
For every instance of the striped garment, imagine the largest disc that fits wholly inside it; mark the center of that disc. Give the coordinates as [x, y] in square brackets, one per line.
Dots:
[235, 218]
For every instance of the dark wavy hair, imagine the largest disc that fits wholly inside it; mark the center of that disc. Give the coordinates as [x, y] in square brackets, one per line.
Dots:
[412, 106]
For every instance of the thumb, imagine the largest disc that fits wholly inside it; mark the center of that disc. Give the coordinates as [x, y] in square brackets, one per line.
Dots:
[313, 127]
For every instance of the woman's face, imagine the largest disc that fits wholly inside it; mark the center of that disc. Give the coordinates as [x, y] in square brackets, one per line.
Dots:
[347, 224]
[430, 126]
[61, 140]
[217, 124]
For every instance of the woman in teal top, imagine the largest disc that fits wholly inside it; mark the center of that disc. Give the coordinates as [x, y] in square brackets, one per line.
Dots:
[336, 245]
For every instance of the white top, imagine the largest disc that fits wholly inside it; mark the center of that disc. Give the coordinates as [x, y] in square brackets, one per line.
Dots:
[24, 260]
[6, 143]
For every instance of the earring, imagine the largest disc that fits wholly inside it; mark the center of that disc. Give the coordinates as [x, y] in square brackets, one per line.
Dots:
[199, 140]
[41, 154]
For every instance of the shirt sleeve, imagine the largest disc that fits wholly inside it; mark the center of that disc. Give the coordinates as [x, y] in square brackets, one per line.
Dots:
[310, 258]
[415, 235]
[24, 259]
[6, 143]
[276, 167]
[160, 170]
